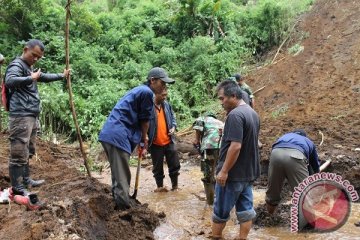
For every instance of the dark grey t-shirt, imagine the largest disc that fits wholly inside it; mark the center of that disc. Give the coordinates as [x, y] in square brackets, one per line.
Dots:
[242, 125]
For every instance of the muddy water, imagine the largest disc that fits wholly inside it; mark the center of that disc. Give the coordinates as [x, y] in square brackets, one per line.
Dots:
[188, 216]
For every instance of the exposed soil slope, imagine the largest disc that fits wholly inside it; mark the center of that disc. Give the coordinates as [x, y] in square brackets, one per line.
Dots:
[319, 88]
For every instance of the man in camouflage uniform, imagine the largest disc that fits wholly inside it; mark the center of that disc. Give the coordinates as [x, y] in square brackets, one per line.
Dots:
[241, 81]
[207, 141]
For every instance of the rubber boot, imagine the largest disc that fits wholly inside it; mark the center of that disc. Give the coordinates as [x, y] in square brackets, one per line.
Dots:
[16, 178]
[174, 183]
[121, 202]
[270, 208]
[28, 182]
[209, 191]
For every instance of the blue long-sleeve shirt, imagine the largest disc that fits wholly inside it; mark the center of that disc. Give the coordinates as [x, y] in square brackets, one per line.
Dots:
[301, 143]
[122, 128]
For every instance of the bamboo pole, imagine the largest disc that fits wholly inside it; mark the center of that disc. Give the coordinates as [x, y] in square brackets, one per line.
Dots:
[68, 79]
[260, 89]
[281, 45]
[2, 60]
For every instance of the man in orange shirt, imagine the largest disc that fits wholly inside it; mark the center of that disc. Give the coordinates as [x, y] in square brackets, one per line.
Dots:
[161, 138]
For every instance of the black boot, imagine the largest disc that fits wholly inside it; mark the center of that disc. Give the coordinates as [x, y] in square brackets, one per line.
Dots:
[159, 182]
[28, 181]
[16, 178]
[174, 182]
[209, 191]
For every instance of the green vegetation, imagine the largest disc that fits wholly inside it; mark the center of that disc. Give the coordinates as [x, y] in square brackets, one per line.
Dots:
[296, 49]
[114, 44]
[280, 110]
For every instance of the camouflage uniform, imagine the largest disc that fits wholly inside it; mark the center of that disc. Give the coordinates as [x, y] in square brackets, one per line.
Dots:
[248, 90]
[209, 127]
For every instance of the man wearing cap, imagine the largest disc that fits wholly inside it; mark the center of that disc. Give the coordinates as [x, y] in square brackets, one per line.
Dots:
[208, 132]
[293, 157]
[246, 88]
[162, 142]
[126, 127]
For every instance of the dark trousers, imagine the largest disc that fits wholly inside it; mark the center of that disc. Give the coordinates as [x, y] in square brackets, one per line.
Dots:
[22, 139]
[120, 174]
[157, 155]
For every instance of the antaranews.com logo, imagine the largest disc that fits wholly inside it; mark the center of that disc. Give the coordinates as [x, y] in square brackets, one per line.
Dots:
[321, 202]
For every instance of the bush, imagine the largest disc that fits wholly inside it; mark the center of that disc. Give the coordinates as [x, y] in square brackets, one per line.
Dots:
[115, 43]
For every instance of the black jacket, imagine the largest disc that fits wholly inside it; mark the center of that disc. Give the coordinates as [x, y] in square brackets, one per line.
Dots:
[24, 95]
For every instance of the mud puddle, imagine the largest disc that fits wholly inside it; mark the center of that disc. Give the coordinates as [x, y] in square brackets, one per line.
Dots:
[188, 216]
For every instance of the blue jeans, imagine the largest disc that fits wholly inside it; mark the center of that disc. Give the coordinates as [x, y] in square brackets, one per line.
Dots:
[238, 194]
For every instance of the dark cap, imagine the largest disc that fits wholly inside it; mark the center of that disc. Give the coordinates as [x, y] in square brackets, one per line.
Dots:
[300, 132]
[159, 73]
[237, 77]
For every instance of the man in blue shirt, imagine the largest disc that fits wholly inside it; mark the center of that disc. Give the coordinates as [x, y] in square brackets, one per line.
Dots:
[293, 157]
[126, 127]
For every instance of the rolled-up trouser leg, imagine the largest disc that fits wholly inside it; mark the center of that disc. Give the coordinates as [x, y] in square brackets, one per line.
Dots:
[120, 174]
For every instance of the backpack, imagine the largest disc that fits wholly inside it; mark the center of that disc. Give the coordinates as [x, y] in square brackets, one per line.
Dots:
[5, 92]
[4, 98]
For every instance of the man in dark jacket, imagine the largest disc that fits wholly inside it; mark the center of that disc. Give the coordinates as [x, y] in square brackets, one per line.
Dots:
[161, 136]
[24, 108]
[292, 157]
[126, 127]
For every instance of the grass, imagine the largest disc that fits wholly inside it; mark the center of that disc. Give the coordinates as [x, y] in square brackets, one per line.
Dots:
[280, 111]
[296, 49]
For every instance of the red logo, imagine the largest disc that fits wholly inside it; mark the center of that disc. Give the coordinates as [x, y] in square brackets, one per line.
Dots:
[325, 206]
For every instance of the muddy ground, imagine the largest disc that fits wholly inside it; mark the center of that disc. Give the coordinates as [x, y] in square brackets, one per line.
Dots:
[76, 207]
[317, 90]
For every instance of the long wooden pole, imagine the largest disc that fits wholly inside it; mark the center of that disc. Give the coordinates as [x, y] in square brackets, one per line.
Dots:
[67, 59]
[2, 60]
[1, 96]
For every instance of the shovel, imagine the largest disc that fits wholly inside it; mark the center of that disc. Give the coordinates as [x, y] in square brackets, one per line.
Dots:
[137, 173]
[325, 165]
